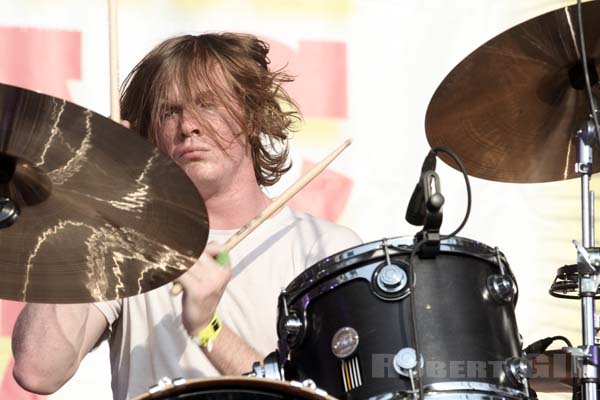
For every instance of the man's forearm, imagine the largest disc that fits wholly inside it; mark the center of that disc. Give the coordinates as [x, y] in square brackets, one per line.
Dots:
[49, 341]
[231, 355]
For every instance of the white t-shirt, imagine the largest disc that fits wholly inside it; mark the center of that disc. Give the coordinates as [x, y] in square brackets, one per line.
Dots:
[148, 340]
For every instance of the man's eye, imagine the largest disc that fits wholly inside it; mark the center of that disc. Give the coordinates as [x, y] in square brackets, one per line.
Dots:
[168, 114]
[206, 104]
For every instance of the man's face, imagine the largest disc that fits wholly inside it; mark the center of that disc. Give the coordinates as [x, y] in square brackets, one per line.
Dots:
[185, 138]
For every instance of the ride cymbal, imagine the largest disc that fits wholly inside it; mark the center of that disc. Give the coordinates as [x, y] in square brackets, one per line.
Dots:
[90, 211]
[511, 108]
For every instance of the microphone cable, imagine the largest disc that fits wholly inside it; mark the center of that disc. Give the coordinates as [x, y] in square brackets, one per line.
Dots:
[463, 170]
[413, 253]
[586, 71]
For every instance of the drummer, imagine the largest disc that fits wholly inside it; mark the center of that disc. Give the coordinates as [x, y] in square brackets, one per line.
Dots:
[213, 105]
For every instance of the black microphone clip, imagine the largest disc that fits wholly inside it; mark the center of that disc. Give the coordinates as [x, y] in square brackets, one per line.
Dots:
[433, 203]
[416, 210]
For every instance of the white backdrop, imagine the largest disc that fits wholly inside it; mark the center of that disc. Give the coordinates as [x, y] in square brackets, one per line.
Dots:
[393, 55]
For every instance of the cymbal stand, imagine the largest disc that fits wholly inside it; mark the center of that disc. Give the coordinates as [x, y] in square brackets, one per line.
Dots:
[588, 261]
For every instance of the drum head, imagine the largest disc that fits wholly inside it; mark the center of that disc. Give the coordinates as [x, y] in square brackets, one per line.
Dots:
[235, 388]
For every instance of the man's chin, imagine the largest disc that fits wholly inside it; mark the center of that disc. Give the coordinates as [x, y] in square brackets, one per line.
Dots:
[200, 174]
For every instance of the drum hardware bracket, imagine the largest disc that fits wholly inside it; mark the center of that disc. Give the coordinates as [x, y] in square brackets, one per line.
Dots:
[270, 368]
[434, 202]
[588, 262]
[166, 383]
[585, 361]
[519, 370]
[9, 212]
[586, 133]
[390, 278]
[501, 288]
[501, 261]
[291, 325]
[589, 259]
[9, 209]
[405, 364]
[309, 384]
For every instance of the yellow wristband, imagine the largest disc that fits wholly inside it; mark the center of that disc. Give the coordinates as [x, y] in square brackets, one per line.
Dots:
[207, 336]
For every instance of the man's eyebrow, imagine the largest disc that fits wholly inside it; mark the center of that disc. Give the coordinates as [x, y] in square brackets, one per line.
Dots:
[164, 104]
[199, 97]
[205, 94]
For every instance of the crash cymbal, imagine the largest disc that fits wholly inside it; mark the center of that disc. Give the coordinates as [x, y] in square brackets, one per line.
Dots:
[102, 213]
[510, 109]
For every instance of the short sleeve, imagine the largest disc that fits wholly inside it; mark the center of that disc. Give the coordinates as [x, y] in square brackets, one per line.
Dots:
[110, 309]
[332, 240]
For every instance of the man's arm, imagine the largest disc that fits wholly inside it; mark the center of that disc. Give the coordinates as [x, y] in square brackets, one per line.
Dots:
[231, 354]
[49, 341]
[203, 286]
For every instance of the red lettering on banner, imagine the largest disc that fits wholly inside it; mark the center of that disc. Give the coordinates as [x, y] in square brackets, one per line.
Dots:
[40, 59]
[320, 87]
[9, 310]
[326, 196]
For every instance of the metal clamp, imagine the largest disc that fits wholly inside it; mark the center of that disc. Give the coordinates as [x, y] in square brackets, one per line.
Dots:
[519, 370]
[166, 383]
[290, 325]
[309, 384]
[584, 362]
[501, 288]
[270, 368]
[588, 258]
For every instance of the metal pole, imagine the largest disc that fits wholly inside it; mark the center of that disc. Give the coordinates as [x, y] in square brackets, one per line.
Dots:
[587, 283]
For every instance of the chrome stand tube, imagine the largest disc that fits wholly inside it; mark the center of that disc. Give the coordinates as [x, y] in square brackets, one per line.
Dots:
[587, 282]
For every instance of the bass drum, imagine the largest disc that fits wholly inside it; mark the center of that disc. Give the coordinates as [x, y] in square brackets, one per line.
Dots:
[232, 388]
[346, 323]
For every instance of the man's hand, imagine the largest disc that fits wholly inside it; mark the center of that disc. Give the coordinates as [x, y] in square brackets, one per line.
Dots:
[203, 287]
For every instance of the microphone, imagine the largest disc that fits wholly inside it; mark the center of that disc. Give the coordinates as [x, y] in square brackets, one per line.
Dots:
[415, 212]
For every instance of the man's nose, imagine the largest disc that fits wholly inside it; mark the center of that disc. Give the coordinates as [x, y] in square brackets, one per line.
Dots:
[189, 125]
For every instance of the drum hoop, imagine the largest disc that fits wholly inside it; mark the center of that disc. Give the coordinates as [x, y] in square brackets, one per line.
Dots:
[462, 387]
[354, 256]
[233, 382]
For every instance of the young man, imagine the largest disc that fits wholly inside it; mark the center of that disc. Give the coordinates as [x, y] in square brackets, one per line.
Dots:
[211, 103]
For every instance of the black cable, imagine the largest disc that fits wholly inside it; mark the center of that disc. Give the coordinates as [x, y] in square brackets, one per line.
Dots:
[540, 346]
[564, 339]
[586, 72]
[462, 168]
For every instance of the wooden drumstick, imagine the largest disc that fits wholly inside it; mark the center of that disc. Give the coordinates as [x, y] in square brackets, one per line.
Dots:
[275, 205]
[115, 108]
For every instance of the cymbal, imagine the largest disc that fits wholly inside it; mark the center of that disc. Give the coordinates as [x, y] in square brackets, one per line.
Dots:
[102, 213]
[509, 109]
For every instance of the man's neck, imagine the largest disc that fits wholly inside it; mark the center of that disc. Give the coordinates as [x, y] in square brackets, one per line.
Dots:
[236, 207]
